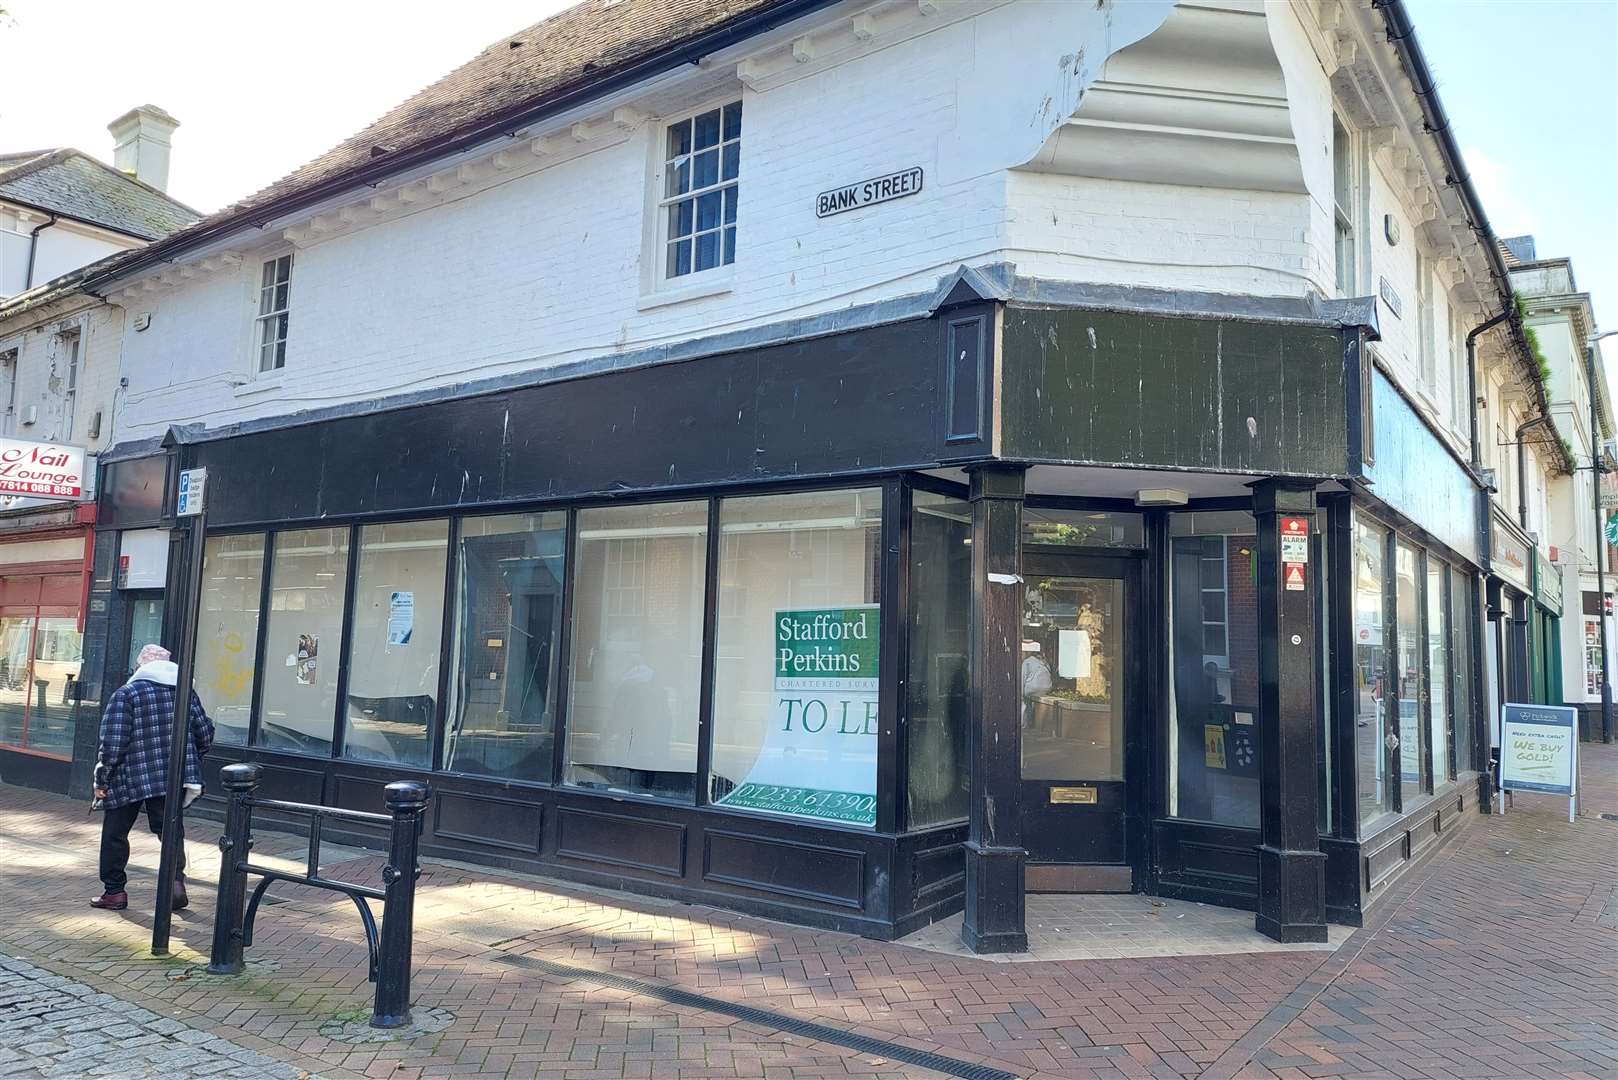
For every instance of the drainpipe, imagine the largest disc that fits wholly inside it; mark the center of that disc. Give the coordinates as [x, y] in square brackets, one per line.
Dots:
[33, 246]
[1472, 380]
[1522, 470]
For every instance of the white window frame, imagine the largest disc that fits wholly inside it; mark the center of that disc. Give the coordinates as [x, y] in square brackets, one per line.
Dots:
[69, 347]
[262, 317]
[1347, 220]
[1426, 325]
[1222, 660]
[10, 364]
[658, 285]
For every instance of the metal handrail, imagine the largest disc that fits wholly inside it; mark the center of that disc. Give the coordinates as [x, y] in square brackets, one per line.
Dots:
[388, 948]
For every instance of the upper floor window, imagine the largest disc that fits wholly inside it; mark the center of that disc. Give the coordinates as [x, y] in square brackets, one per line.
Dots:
[1343, 189]
[8, 389]
[701, 161]
[68, 344]
[274, 294]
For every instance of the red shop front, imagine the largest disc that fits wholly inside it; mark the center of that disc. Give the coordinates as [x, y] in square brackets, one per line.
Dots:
[45, 563]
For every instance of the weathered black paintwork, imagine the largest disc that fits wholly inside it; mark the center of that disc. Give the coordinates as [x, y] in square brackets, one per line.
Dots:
[864, 401]
[1216, 394]
[858, 406]
[995, 856]
[1291, 869]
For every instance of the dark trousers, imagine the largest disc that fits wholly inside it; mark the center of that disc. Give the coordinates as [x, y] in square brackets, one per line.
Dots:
[115, 826]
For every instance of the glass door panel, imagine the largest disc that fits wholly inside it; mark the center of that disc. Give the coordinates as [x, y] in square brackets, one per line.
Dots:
[1075, 715]
[16, 649]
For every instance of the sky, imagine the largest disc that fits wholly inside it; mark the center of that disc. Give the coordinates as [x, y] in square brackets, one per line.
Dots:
[259, 90]
[1531, 90]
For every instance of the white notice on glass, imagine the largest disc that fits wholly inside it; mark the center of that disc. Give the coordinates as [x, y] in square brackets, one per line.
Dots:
[1073, 654]
[401, 617]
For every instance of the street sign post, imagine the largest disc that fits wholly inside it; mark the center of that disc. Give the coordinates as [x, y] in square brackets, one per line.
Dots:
[190, 505]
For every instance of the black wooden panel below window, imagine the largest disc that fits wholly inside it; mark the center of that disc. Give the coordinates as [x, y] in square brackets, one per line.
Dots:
[502, 823]
[788, 868]
[634, 843]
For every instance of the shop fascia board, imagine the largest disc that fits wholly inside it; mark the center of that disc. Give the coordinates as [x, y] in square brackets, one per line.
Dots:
[998, 280]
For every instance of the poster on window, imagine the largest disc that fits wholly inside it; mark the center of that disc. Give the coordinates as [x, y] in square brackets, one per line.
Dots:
[401, 617]
[818, 759]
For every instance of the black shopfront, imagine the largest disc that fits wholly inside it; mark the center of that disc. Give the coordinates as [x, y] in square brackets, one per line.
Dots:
[734, 629]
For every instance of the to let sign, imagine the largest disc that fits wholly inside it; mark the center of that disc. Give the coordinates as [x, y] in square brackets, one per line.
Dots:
[41, 469]
[878, 189]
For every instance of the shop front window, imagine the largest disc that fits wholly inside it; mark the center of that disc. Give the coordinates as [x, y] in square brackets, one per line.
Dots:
[938, 787]
[1213, 746]
[395, 642]
[507, 643]
[58, 653]
[227, 631]
[636, 652]
[303, 641]
[1439, 728]
[1412, 734]
[796, 678]
[1462, 631]
[1372, 701]
[16, 650]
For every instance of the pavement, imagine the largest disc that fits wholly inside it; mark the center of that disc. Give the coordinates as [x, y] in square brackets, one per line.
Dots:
[1497, 956]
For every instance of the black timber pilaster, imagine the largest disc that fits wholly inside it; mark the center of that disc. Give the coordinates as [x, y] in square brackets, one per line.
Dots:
[1291, 866]
[995, 856]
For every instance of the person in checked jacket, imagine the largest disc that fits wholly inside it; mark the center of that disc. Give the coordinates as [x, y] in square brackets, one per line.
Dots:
[132, 768]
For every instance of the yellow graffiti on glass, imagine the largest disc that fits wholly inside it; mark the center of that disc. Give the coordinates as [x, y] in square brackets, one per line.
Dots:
[229, 677]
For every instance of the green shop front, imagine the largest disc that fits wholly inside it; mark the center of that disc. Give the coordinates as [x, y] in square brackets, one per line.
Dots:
[855, 625]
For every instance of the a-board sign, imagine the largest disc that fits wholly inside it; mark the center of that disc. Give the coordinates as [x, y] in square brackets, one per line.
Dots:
[1539, 750]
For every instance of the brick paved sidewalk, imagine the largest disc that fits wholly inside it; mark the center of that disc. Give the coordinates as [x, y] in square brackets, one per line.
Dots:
[1429, 990]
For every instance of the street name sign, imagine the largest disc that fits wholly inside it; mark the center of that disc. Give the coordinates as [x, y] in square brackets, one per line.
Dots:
[1539, 750]
[878, 189]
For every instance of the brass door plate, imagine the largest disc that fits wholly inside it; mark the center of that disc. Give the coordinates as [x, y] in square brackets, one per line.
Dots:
[1067, 796]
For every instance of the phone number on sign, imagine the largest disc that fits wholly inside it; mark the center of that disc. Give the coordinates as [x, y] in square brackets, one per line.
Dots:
[26, 488]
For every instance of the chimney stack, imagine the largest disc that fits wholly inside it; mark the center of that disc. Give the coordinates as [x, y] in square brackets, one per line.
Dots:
[141, 144]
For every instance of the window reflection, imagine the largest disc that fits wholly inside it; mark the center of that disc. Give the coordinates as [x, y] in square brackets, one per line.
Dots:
[227, 631]
[1370, 670]
[637, 648]
[940, 616]
[502, 709]
[1213, 752]
[303, 640]
[395, 642]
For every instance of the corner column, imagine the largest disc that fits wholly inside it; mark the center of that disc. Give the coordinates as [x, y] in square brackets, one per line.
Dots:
[994, 853]
[1291, 866]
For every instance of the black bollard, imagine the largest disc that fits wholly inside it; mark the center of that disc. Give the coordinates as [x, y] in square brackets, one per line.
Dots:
[406, 800]
[239, 782]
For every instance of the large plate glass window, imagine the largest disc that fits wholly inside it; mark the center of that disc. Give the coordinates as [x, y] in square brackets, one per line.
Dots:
[701, 163]
[1371, 697]
[303, 640]
[507, 643]
[938, 784]
[396, 638]
[227, 631]
[1213, 745]
[796, 680]
[636, 656]
[1412, 732]
[1462, 588]
[16, 669]
[1439, 722]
